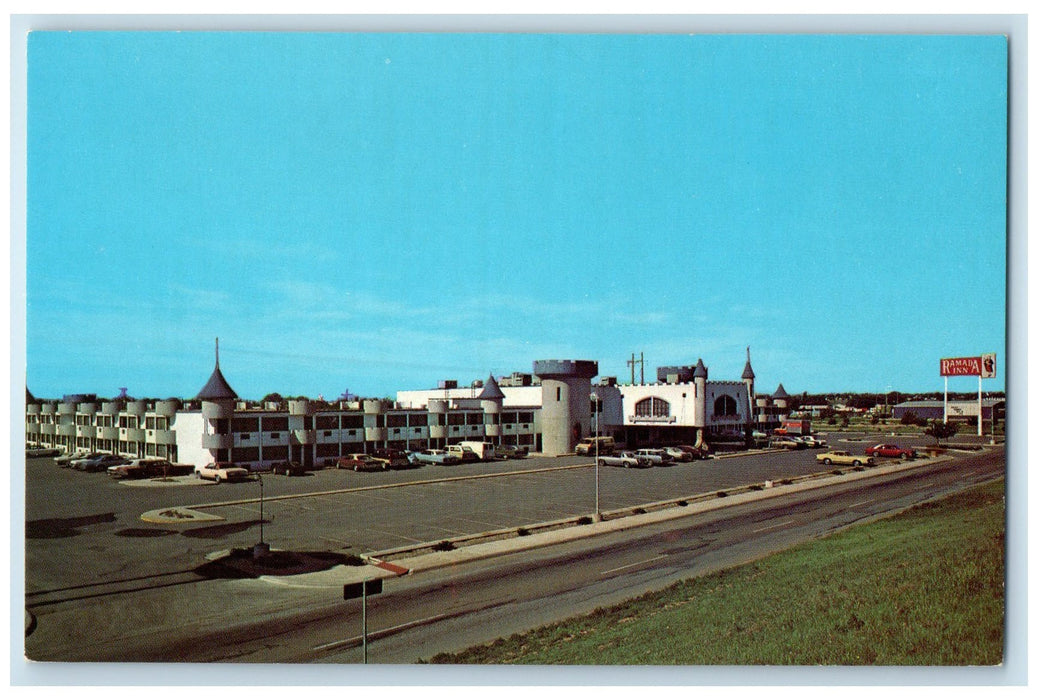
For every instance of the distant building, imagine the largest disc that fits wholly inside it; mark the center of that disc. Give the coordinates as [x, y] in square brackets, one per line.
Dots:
[959, 411]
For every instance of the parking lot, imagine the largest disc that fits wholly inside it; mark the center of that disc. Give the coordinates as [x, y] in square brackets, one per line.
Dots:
[83, 528]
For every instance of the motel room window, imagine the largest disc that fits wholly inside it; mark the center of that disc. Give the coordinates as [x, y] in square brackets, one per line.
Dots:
[652, 407]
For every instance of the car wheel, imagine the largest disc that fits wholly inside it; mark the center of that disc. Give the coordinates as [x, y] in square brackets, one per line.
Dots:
[601, 462]
[827, 461]
[857, 462]
[904, 455]
[217, 479]
[356, 467]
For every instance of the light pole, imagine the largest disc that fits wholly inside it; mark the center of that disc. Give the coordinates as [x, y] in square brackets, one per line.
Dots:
[261, 549]
[598, 511]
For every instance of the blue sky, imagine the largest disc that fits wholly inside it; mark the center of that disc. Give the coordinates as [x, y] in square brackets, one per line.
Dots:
[376, 212]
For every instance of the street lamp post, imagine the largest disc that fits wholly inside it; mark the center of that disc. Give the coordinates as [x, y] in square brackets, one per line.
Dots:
[260, 549]
[598, 511]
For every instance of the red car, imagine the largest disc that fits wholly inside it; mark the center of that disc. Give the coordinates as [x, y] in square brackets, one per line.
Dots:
[890, 451]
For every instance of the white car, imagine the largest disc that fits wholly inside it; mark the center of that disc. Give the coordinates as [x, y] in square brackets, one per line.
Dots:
[654, 456]
[678, 454]
[623, 459]
[222, 471]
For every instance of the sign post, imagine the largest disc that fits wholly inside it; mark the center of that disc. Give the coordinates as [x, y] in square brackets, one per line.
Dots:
[362, 590]
[981, 367]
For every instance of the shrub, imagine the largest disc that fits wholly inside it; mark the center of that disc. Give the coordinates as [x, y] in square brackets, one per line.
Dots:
[584, 520]
[722, 494]
[522, 532]
[444, 546]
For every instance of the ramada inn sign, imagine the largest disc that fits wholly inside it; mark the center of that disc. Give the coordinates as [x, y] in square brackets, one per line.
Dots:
[982, 366]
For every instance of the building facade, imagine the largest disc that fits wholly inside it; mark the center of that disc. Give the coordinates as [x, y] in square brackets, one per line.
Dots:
[547, 411]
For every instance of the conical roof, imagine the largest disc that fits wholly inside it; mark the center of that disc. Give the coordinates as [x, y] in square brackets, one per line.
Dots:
[700, 371]
[491, 391]
[29, 398]
[217, 388]
[747, 372]
[780, 393]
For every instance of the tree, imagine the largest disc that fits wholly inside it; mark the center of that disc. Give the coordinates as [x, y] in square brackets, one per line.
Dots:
[909, 418]
[939, 430]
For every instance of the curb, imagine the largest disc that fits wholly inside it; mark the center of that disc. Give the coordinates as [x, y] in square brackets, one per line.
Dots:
[568, 529]
[508, 541]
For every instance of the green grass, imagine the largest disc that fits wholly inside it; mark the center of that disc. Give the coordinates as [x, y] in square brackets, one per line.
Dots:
[922, 588]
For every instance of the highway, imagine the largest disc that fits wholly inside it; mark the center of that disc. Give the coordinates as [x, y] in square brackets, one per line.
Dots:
[449, 609]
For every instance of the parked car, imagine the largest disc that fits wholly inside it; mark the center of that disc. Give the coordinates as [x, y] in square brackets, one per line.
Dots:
[843, 457]
[222, 471]
[886, 450]
[483, 450]
[621, 459]
[289, 468]
[653, 456]
[511, 451]
[463, 453]
[99, 463]
[433, 456]
[696, 452]
[360, 462]
[144, 468]
[678, 454]
[394, 459]
[785, 442]
[812, 441]
[606, 445]
[34, 451]
[67, 459]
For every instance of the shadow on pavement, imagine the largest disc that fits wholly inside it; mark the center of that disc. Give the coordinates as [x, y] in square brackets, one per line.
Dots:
[241, 563]
[63, 527]
[212, 532]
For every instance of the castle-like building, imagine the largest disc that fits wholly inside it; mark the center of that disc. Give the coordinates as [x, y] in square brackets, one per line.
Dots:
[548, 411]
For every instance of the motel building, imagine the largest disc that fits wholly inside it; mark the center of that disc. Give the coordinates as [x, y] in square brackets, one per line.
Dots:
[547, 411]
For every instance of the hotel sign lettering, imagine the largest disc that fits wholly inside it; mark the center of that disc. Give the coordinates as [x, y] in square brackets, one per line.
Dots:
[980, 366]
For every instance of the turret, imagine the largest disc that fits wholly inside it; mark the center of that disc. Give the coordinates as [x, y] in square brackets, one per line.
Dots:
[491, 399]
[565, 402]
[747, 379]
[218, 399]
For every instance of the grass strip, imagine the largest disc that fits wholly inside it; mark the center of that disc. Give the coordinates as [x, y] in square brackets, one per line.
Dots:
[921, 588]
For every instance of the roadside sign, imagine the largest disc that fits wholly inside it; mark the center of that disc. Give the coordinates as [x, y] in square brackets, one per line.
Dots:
[979, 366]
[361, 588]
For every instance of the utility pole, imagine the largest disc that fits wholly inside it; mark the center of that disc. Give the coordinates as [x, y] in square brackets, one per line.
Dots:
[632, 362]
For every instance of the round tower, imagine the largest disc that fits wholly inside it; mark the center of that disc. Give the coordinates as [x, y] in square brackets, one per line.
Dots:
[747, 379]
[491, 399]
[565, 402]
[218, 399]
[699, 377]
[781, 399]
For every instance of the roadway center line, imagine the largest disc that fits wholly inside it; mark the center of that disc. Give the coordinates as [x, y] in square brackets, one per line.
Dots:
[628, 566]
[860, 503]
[772, 527]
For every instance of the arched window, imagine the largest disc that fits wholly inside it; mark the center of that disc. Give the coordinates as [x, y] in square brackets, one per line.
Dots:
[653, 407]
[725, 406]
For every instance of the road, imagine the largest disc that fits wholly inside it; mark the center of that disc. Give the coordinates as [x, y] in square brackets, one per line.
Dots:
[449, 609]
